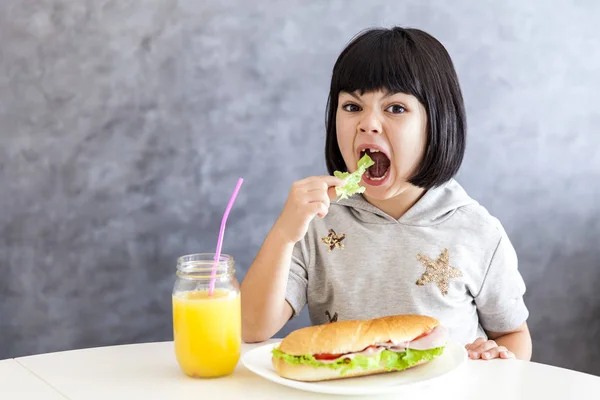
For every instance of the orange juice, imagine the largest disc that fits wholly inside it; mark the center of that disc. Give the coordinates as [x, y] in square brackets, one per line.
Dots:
[207, 332]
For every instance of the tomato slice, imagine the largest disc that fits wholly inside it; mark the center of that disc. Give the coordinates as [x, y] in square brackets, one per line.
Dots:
[423, 334]
[326, 356]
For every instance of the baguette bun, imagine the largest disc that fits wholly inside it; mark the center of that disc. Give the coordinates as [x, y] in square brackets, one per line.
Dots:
[307, 373]
[355, 335]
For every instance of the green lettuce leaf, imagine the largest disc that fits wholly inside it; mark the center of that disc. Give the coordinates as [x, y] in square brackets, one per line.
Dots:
[408, 358]
[353, 179]
[393, 361]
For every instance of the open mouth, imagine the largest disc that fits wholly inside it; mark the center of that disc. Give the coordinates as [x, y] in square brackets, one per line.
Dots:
[379, 171]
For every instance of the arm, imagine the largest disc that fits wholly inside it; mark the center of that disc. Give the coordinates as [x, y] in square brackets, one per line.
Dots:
[263, 290]
[517, 341]
[264, 309]
[511, 344]
[500, 307]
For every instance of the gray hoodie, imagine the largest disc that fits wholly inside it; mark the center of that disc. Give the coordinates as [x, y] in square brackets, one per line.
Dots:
[446, 257]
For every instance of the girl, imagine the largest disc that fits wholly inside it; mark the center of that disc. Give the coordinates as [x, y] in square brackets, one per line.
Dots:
[414, 242]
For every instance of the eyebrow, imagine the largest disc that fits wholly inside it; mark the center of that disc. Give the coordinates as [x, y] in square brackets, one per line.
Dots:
[354, 95]
[388, 94]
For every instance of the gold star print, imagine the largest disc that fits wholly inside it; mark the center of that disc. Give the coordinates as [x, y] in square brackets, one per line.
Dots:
[438, 271]
[333, 240]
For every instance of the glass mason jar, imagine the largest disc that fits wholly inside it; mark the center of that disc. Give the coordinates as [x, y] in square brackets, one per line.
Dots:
[207, 325]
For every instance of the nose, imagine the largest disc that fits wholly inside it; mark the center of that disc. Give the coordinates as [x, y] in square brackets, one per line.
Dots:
[370, 123]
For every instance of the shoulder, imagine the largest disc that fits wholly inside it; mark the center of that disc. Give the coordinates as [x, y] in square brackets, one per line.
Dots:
[475, 219]
[479, 217]
[475, 222]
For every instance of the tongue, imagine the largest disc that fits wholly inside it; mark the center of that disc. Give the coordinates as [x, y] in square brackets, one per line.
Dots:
[382, 163]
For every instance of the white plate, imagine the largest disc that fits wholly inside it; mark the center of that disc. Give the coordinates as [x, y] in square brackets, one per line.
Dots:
[259, 361]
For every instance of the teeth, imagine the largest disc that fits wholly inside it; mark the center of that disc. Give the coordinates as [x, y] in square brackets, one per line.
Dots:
[377, 179]
[369, 150]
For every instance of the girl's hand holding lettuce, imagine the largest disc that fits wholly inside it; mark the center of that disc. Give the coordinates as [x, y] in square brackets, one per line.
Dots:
[308, 198]
[311, 197]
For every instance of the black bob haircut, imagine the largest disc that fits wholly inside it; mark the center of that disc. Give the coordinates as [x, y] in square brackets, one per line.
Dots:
[409, 61]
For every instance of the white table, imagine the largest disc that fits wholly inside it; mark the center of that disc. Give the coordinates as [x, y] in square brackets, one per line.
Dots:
[149, 371]
[17, 382]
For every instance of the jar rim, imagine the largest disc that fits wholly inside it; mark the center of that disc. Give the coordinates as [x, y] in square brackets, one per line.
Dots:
[200, 265]
[204, 258]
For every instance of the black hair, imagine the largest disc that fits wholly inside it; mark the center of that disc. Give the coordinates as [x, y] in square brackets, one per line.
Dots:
[409, 61]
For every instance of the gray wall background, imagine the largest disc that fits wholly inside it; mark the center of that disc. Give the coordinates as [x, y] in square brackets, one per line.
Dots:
[124, 126]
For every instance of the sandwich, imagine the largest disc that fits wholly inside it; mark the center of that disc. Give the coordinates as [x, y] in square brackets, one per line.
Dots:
[359, 347]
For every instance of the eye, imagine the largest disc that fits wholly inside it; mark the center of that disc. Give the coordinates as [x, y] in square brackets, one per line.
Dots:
[396, 109]
[350, 107]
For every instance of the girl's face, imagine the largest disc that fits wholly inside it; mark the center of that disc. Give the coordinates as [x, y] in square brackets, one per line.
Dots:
[391, 128]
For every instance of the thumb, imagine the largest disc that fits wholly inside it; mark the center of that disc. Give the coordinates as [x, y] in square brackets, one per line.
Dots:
[331, 193]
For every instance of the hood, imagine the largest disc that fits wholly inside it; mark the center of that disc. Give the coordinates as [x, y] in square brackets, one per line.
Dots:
[436, 205]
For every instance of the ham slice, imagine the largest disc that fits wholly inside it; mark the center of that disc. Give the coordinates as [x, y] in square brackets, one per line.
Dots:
[436, 338]
[397, 347]
[368, 352]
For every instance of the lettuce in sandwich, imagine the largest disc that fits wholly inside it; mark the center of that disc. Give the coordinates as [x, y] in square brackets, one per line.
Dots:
[390, 359]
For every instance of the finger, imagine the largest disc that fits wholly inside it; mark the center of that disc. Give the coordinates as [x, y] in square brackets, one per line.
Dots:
[318, 209]
[331, 193]
[487, 346]
[318, 181]
[505, 354]
[502, 349]
[478, 342]
[490, 354]
[316, 196]
[334, 181]
[473, 348]
[319, 186]
[493, 352]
